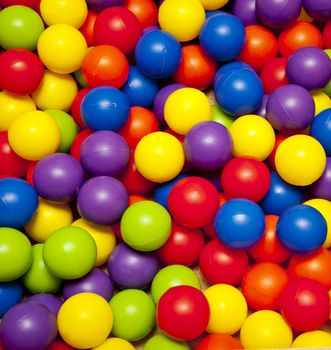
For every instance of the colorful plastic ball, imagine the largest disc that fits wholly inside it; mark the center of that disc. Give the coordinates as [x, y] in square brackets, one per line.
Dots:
[265, 329]
[102, 200]
[319, 10]
[326, 35]
[105, 108]
[75, 111]
[119, 27]
[56, 91]
[73, 263]
[131, 269]
[11, 293]
[219, 116]
[313, 339]
[145, 10]
[322, 101]
[20, 27]
[245, 10]
[134, 314]
[99, 5]
[114, 343]
[59, 345]
[305, 304]
[299, 35]
[105, 65]
[145, 226]
[160, 341]
[72, 12]
[273, 74]
[189, 13]
[219, 342]
[28, 3]
[88, 26]
[52, 302]
[85, 320]
[239, 223]
[321, 188]
[28, 326]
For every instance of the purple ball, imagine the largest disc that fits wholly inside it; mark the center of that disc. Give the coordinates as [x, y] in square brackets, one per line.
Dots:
[246, 11]
[131, 269]
[102, 200]
[28, 326]
[99, 5]
[318, 9]
[161, 98]
[58, 177]
[208, 146]
[309, 67]
[290, 108]
[49, 300]
[104, 153]
[262, 111]
[322, 187]
[95, 281]
[278, 13]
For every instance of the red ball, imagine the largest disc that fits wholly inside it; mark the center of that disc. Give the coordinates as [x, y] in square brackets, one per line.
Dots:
[87, 29]
[10, 163]
[75, 107]
[105, 65]
[193, 202]
[119, 27]
[196, 69]
[327, 36]
[262, 285]
[183, 246]
[220, 264]
[183, 313]
[27, 3]
[305, 304]
[273, 74]
[260, 47]
[59, 345]
[21, 71]
[269, 248]
[219, 342]
[76, 144]
[135, 198]
[145, 10]
[245, 178]
[279, 139]
[29, 173]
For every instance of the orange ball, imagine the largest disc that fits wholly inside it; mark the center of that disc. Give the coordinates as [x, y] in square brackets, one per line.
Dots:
[219, 342]
[145, 10]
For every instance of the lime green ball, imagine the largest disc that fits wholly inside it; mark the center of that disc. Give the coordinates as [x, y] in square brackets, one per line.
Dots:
[38, 279]
[134, 314]
[69, 252]
[219, 116]
[79, 77]
[160, 341]
[146, 226]
[15, 254]
[68, 128]
[327, 89]
[172, 276]
[20, 27]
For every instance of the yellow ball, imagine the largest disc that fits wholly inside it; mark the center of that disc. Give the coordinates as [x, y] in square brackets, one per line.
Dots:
[213, 4]
[252, 136]
[48, 218]
[62, 48]
[34, 135]
[228, 309]
[85, 320]
[103, 236]
[314, 339]
[322, 101]
[265, 330]
[159, 156]
[115, 344]
[72, 12]
[182, 18]
[11, 106]
[185, 108]
[300, 160]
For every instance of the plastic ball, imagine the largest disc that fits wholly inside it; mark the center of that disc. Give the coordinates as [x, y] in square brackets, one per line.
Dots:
[114, 343]
[300, 160]
[59, 345]
[322, 101]
[219, 116]
[189, 13]
[319, 10]
[52, 302]
[160, 341]
[145, 226]
[326, 35]
[20, 27]
[99, 5]
[273, 74]
[75, 111]
[11, 294]
[87, 28]
[145, 10]
[85, 311]
[321, 188]
[320, 339]
[265, 329]
[131, 269]
[28, 3]
[131, 307]
[211, 5]
[246, 11]
[219, 342]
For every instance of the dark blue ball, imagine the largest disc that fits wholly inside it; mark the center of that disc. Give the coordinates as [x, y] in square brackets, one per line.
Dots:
[11, 293]
[229, 67]
[320, 129]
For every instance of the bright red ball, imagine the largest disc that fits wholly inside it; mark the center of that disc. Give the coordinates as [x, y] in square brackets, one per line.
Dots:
[75, 107]
[29, 173]
[219, 342]
[273, 74]
[327, 36]
[27, 3]
[59, 345]
[145, 10]
[76, 144]
[87, 29]
[279, 139]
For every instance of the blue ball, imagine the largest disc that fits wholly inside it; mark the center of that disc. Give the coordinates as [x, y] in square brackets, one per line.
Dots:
[11, 293]
[140, 89]
[158, 54]
[239, 92]
[229, 67]
[280, 196]
[239, 223]
[321, 130]
[105, 108]
[18, 202]
[223, 36]
[301, 229]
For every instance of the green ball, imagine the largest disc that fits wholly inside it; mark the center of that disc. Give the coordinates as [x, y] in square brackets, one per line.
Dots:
[38, 279]
[20, 27]
[219, 116]
[79, 77]
[134, 314]
[68, 128]
[172, 276]
[160, 341]
[69, 252]
[327, 88]
[15, 254]
[146, 226]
